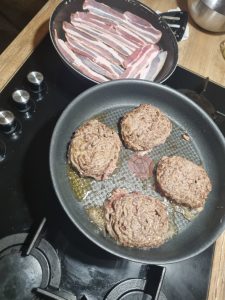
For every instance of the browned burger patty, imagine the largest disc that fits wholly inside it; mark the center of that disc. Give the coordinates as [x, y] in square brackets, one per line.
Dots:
[136, 220]
[145, 127]
[94, 150]
[183, 181]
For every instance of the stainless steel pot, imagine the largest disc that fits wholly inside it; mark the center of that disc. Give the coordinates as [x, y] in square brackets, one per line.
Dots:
[208, 14]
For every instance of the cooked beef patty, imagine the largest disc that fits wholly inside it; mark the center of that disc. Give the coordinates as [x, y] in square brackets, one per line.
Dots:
[94, 150]
[145, 127]
[136, 220]
[183, 181]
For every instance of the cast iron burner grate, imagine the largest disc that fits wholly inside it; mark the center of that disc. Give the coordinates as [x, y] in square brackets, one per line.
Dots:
[31, 268]
[199, 98]
[139, 289]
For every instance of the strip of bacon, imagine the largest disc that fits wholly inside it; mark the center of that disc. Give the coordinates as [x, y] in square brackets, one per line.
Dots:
[129, 35]
[77, 63]
[149, 33]
[95, 67]
[103, 44]
[102, 10]
[144, 58]
[90, 42]
[154, 67]
[94, 18]
[106, 29]
[136, 55]
[106, 36]
[78, 48]
[103, 24]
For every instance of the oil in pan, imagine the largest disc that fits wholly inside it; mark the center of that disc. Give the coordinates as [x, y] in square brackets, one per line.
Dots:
[93, 193]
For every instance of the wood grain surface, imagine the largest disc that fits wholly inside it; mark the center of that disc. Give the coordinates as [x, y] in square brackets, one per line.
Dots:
[21, 48]
[199, 54]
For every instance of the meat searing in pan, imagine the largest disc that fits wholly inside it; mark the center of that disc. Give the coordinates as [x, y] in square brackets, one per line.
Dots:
[94, 150]
[183, 181]
[144, 128]
[136, 220]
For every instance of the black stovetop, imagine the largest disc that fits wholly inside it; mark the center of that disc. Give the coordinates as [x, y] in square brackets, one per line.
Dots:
[26, 193]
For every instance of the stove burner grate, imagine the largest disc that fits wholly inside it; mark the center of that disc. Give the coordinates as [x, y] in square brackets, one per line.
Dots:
[139, 289]
[200, 99]
[30, 267]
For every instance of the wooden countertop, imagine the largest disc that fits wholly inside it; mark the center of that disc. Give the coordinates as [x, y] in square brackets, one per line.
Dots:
[199, 54]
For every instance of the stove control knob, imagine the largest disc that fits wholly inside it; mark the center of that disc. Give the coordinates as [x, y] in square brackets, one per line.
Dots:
[36, 81]
[21, 99]
[7, 121]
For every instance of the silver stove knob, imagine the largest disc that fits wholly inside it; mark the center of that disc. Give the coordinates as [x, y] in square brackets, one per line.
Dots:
[22, 99]
[7, 121]
[36, 81]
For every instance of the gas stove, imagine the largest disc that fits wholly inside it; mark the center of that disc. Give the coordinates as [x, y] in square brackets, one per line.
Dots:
[42, 254]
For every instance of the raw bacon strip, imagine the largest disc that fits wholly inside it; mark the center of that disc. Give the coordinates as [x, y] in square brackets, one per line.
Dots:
[138, 54]
[149, 52]
[149, 33]
[107, 29]
[98, 46]
[129, 35]
[103, 21]
[108, 40]
[113, 27]
[88, 72]
[76, 61]
[102, 10]
[87, 16]
[78, 48]
[97, 36]
[100, 50]
[70, 29]
[105, 44]
[66, 51]
[132, 58]
[97, 68]
[106, 36]
[155, 67]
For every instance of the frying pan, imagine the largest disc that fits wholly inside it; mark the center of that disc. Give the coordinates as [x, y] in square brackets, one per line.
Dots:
[206, 146]
[168, 41]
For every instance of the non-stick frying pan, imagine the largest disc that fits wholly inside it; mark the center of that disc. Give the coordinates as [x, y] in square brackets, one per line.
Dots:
[167, 43]
[206, 146]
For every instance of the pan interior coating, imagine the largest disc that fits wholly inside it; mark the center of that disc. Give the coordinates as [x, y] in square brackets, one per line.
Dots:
[96, 192]
[206, 146]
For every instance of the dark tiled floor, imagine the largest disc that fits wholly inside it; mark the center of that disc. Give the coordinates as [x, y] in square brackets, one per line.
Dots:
[14, 15]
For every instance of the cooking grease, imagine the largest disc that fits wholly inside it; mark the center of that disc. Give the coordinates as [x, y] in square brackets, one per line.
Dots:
[80, 186]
